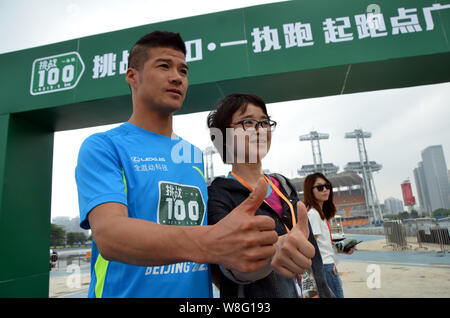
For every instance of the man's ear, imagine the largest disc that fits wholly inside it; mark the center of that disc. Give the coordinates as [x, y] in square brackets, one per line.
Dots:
[132, 77]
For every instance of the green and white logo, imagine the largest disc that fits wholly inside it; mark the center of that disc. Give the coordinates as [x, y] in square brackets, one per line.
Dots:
[56, 73]
[180, 204]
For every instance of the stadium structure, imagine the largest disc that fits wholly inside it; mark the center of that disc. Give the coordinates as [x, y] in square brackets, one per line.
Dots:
[318, 166]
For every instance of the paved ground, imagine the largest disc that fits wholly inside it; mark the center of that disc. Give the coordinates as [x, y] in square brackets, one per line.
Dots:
[416, 272]
[373, 271]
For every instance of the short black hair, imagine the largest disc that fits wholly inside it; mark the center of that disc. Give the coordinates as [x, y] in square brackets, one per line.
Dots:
[139, 52]
[220, 116]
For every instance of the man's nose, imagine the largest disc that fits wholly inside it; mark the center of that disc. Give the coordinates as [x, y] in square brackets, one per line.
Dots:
[175, 77]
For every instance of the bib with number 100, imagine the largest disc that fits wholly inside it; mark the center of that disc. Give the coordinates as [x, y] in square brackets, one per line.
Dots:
[180, 204]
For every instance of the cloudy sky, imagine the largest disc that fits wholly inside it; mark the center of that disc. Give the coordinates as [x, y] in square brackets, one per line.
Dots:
[402, 121]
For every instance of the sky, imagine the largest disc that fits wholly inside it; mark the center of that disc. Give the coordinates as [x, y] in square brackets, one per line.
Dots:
[403, 122]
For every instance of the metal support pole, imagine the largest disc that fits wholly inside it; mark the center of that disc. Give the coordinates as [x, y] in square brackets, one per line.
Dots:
[368, 193]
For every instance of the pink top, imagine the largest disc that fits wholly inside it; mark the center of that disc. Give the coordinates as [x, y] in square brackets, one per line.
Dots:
[274, 199]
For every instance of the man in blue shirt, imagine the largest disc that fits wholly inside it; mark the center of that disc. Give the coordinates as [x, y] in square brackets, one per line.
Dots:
[142, 193]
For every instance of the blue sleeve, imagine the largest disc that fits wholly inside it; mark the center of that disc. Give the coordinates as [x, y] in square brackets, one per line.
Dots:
[98, 175]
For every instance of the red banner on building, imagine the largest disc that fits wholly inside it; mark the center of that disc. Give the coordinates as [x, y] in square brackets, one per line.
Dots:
[408, 198]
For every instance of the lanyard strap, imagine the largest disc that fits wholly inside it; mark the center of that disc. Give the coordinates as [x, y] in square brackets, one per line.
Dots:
[329, 228]
[282, 196]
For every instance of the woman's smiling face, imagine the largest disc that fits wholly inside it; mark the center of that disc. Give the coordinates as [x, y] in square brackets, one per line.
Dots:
[251, 144]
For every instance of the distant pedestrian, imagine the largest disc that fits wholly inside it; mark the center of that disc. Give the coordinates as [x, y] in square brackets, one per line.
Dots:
[318, 198]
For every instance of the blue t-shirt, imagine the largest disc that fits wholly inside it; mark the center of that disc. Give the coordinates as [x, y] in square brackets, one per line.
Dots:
[160, 179]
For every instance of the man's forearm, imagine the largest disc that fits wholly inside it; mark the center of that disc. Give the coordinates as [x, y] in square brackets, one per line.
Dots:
[140, 242]
[241, 240]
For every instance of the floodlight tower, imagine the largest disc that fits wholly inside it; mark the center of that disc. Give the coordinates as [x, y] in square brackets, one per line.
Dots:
[209, 168]
[365, 167]
[314, 137]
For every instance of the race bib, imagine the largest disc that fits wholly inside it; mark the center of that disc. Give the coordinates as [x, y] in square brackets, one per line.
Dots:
[180, 204]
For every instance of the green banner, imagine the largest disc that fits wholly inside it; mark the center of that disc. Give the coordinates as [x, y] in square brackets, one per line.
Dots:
[261, 49]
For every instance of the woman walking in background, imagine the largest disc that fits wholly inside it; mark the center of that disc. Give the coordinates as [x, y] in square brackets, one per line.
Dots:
[318, 198]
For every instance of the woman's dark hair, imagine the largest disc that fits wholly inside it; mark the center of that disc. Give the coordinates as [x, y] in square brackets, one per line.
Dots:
[220, 118]
[139, 53]
[328, 210]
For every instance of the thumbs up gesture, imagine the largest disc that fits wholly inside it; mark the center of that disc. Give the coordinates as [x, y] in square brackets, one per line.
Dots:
[245, 241]
[294, 251]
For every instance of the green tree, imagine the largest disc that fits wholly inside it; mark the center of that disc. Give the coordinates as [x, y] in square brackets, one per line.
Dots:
[441, 213]
[403, 215]
[76, 238]
[414, 214]
[57, 235]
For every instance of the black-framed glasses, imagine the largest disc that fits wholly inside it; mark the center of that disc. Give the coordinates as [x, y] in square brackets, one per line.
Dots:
[252, 123]
[321, 187]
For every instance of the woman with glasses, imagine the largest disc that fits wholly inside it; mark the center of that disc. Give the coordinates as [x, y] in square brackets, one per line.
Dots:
[318, 198]
[241, 130]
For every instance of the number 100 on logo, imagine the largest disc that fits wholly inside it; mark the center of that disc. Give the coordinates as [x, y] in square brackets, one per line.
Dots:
[180, 204]
[56, 73]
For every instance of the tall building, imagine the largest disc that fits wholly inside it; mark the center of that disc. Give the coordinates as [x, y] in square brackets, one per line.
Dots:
[448, 176]
[69, 224]
[393, 205]
[435, 181]
[422, 189]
